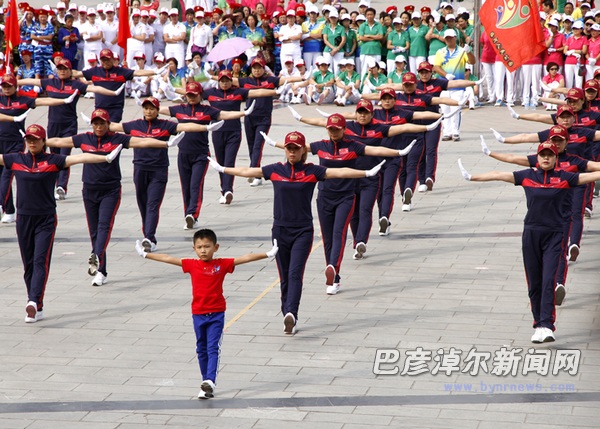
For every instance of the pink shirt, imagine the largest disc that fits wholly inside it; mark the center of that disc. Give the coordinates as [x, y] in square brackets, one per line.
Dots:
[548, 79]
[488, 55]
[575, 44]
[594, 47]
[556, 57]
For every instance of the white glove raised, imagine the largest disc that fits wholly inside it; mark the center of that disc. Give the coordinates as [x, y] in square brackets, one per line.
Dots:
[467, 49]
[514, 114]
[297, 116]
[140, 249]
[137, 98]
[86, 119]
[271, 253]
[463, 171]
[214, 126]
[486, 151]
[250, 108]
[498, 136]
[268, 140]
[373, 171]
[115, 152]
[71, 97]
[175, 139]
[22, 116]
[324, 114]
[407, 149]
[449, 76]
[283, 88]
[214, 164]
[480, 81]
[436, 124]
[161, 70]
[120, 89]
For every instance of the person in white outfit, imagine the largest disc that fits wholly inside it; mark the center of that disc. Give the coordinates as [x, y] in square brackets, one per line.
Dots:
[139, 84]
[201, 38]
[138, 35]
[148, 42]
[290, 35]
[159, 27]
[110, 30]
[174, 36]
[91, 33]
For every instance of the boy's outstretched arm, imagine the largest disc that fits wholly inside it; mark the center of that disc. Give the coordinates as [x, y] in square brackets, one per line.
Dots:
[251, 257]
[161, 257]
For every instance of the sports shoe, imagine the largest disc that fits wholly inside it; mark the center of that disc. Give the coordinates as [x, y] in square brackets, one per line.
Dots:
[256, 182]
[422, 188]
[208, 387]
[446, 138]
[588, 213]
[305, 99]
[547, 335]
[61, 193]
[228, 197]
[573, 252]
[407, 196]
[429, 183]
[337, 101]
[510, 104]
[9, 218]
[559, 294]
[538, 336]
[333, 289]
[360, 250]
[289, 324]
[147, 245]
[329, 275]
[99, 279]
[384, 226]
[202, 395]
[189, 222]
[33, 314]
[498, 103]
[93, 264]
[406, 207]
[456, 137]
[221, 201]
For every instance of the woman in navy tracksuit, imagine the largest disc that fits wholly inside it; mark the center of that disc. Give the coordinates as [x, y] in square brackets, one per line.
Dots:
[547, 191]
[101, 184]
[293, 185]
[36, 172]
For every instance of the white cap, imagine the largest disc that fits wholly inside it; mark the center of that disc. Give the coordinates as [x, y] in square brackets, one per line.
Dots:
[100, 7]
[152, 12]
[299, 62]
[91, 11]
[360, 17]
[72, 6]
[596, 27]
[139, 54]
[469, 67]
[61, 5]
[578, 24]
[321, 60]
[286, 60]
[397, 20]
[382, 65]
[2, 56]
[543, 15]
[311, 8]
[158, 56]
[173, 11]
[585, 5]
[91, 57]
[449, 17]
[400, 59]
[334, 14]
[82, 8]
[342, 62]
[349, 62]
[449, 33]
[199, 14]
[366, 3]
[136, 12]
[553, 22]
[568, 18]
[415, 14]
[110, 8]
[443, 5]
[448, 5]
[290, 12]
[556, 16]
[346, 16]
[589, 14]
[436, 16]
[370, 62]
[461, 10]
[163, 10]
[144, 13]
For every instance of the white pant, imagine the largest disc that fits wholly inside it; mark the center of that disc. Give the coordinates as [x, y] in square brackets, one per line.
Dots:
[334, 61]
[363, 60]
[451, 126]
[309, 59]
[572, 79]
[413, 63]
[173, 50]
[328, 95]
[500, 72]
[532, 73]
[488, 71]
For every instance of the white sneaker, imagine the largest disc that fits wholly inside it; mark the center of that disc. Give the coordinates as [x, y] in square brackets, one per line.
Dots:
[228, 197]
[343, 101]
[9, 218]
[360, 250]
[99, 279]
[384, 226]
[538, 336]
[559, 294]
[289, 324]
[588, 213]
[573, 253]
[547, 335]
[33, 315]
[407, 196]
[93, 264]
[222, 199]
[429, 183]
[147, 245]
[208, 387]
[60, 193]
[422, 188]
[329, 275]
[406, 207]
[202, 395]
[256, 182]
[333, 289]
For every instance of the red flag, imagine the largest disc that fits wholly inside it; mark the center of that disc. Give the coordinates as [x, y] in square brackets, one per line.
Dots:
[124, 32]
[12, 33]
[514, 29]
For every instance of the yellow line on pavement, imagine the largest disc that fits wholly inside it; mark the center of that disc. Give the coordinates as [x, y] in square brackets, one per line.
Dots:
[262, 295]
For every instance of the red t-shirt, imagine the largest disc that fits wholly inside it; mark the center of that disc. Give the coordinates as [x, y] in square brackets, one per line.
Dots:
[207, 283]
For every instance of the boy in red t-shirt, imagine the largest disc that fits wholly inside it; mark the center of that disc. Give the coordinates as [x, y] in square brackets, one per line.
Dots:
[208, 302]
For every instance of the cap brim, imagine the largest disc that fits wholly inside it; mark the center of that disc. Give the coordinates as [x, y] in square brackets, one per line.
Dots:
[293, 144]
[335, 127]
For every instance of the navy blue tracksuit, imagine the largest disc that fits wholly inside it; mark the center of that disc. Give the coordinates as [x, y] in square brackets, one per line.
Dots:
[110, 79]
[293, 186]
[227, 140]
[366, 188]
[335, 202]
[101, 189]
[543, 240]
[260, 119]
[36, 221]
[428, 165]
[193, 149]
[150, 171]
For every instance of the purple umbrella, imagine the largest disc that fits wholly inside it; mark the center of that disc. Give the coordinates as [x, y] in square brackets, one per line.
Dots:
[228, 48]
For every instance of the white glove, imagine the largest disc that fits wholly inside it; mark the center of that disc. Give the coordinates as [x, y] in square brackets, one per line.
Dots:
[514, 114]
[467, 49]
[161, 70]
[480, 81]
[22, 133]
[297, 116]
[271, 253]
[450, 76]
[86, 119]
[120, 90]
[436, 124]
[324, 114]
[464, 172]
[551, 50]
[484, 147]
[71, 97]
[214, 126]
[578, 56]
[175, 139]
[283, 88]
[268, 140]
[308, 73]
[21, 117]
[250, 108]
[407, 149]
[140, 249]
[592, 62]
[115, 152]
[498, 136]
[214, 164]
[53, 67]
[570, 52]
[373, 171]
[137, 98]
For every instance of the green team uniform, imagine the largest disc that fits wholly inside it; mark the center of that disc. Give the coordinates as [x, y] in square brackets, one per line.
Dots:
[319, 78]
[381, 80]
[418, 44]
[350, 38]
[398, 40]
[395, 77]
[345, 79]
[435, 44]
[372, 47]
[332, 35]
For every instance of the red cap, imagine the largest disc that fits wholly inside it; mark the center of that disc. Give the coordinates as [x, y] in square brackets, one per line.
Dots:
[559, 131]
[409, 78]
[336, 121]
[575, 94]
[425, 66]
[258, 61]
[198, 9]
[106, 53]
[102, 114]
[591, 84]
[409, 8]
[237, 61]
[217, 10]
[390, 9]
[565, 108]
[548, 146]
[193, 88]
[596, 72]
[154, 101]
[35, 131]
[364, 104]
[387, 91]
[26, 52]
[425, 9]
[58, 54]
[9, 79]
[295, 138]
[64, 63]
[225, 73]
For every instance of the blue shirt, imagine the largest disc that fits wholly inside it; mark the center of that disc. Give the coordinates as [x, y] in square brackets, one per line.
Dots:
[103, 175]
[580, 141]
[263, 109]
[57, 88]
[395, 116]
[160, 129]
[230, 100]
[371, 134]
[340, 154]
[110, 79]
[14, 105]
[198, 114]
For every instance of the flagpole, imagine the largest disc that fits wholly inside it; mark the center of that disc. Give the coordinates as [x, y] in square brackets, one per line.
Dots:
[477, 36]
